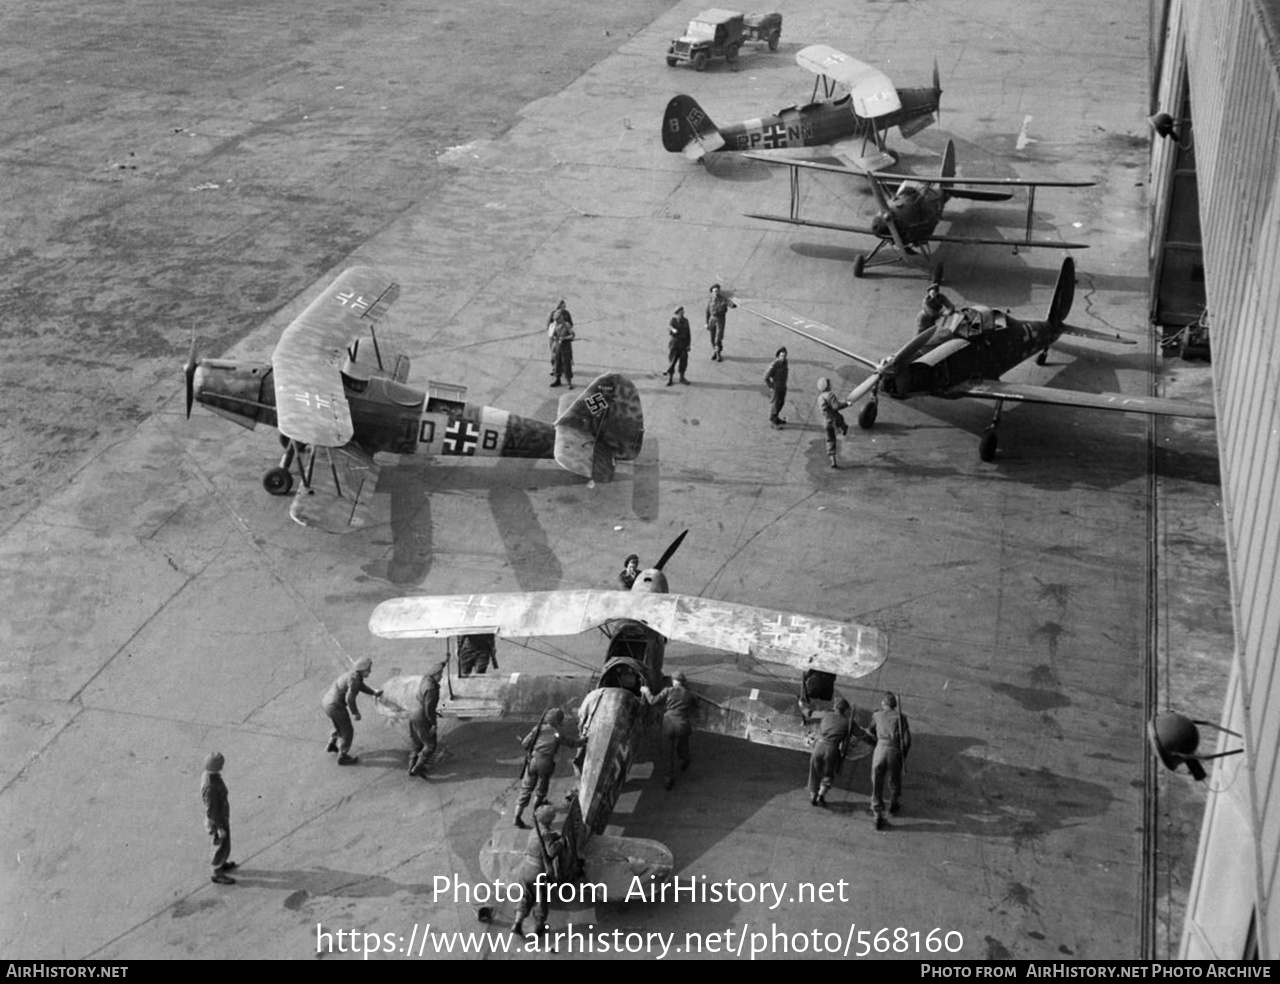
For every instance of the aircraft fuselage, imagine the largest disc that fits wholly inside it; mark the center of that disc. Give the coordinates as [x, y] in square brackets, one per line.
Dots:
[821, 123]
[972, 343]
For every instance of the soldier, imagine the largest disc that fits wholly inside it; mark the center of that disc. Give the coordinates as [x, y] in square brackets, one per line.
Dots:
[934, 306]
[831, 405]
[677, 722]
[476, 652]
[559, 312]
[834, 731]
[538, 870]
[630, 571]
[562, 337]
[339, 702]
[776, 380]
[217, 818]
[422, 721]
[892, 739]
[717, 307]
[541, 745]
[679, 340]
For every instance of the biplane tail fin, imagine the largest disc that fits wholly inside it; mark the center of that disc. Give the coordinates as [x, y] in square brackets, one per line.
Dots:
[1063, 293]
[688, 130]
[599, 427]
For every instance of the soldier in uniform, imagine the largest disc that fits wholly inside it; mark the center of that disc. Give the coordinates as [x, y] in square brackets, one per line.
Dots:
[834, 732]
[339, 702]
[562, 337]
[933, 307]
[558, 313]
[776, 380]
[892, 737]
[831, 405]
[476, 652]
[217, 818]
[540, 854]
[717, 307]
[679, 340]
[677, 722]
[423, 721]
[541, 745]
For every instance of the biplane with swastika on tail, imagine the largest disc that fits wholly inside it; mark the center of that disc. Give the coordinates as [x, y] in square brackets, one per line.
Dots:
[613, 710]
[337, 393]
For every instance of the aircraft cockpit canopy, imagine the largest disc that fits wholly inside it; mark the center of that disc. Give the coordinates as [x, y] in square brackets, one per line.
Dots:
[967, 323]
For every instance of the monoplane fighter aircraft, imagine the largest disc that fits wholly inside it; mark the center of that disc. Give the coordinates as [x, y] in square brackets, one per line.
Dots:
[965, 353]
[909, 215]
[613, 716]
[337, 393]
[838, 125]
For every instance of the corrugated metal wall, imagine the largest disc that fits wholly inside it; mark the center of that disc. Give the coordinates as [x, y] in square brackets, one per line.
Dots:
[1229, 47]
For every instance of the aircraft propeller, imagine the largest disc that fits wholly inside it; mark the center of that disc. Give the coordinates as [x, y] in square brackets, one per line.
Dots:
[889, 365]
[189, 372]
[666, 555]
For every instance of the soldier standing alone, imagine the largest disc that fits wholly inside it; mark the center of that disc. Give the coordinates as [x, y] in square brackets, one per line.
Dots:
[217, 818]
[679, 340]
[776, 380]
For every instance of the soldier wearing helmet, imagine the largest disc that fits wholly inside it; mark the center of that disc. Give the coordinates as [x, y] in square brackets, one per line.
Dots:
[831, 405]
[339, 703]
[934, 306]
[835, 727]
[422, 721]
[537, 871]
[892, 737]
[541, 745]
[217, 818]
[677, 722]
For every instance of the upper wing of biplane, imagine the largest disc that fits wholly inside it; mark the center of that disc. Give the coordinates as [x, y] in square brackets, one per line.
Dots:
[310, 404]
[802, 641]
[996, 389]
[873, 93]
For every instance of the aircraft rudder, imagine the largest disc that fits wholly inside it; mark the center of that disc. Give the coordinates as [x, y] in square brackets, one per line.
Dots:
[1064, 292]
[685, 123]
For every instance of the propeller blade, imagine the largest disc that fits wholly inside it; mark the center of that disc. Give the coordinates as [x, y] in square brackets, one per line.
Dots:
[189, 371]
[908, 351]
[937, 89]
[864, 387]
[675, 545]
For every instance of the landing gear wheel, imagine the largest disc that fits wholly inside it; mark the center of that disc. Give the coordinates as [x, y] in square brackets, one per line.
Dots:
[938, 270]
[672, 62]
[700, 61]
[987, 447]
[867, 415]
[278, 481]
[859, 265]
[773, 41]
[1042, 358]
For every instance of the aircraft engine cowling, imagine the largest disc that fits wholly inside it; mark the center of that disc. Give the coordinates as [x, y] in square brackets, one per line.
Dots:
[240, 391]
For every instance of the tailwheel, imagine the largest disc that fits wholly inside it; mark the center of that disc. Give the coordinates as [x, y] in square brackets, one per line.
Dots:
[1042, 358]
[987, 447]
[867, 415]
[859, 265]
[278, 481]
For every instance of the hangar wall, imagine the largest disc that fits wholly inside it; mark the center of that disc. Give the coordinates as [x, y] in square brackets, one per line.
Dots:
[1226, 52]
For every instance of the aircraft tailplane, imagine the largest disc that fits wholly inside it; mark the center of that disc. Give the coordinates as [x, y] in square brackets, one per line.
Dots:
[687, 129]
[1063, 293]
[599, 427]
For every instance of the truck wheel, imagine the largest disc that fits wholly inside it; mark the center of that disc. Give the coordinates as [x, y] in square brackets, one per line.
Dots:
[700, 61]
[731, 54]
[671, 62]
[773, 41]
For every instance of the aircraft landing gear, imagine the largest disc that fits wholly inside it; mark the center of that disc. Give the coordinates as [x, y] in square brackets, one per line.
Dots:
[867, 415]
[1042, 358]
[859, 265]
[278, 481]
[987, 446]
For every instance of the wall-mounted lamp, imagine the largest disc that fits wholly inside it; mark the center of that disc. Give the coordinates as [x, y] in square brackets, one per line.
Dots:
[1166, 126]
[1175, 737]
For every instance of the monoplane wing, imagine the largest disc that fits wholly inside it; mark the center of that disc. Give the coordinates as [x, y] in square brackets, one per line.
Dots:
[873, 93]
[815, 331]
[801, 641]
[338, 491]
[310, 404]
[995, 389]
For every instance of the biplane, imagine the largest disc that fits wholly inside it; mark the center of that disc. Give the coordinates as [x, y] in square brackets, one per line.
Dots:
[612, 714]
[964, 354]
[843, 126]
[909, 215]
[337, 393]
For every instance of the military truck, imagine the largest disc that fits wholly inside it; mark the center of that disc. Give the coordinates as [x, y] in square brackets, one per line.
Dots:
[717, 33]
